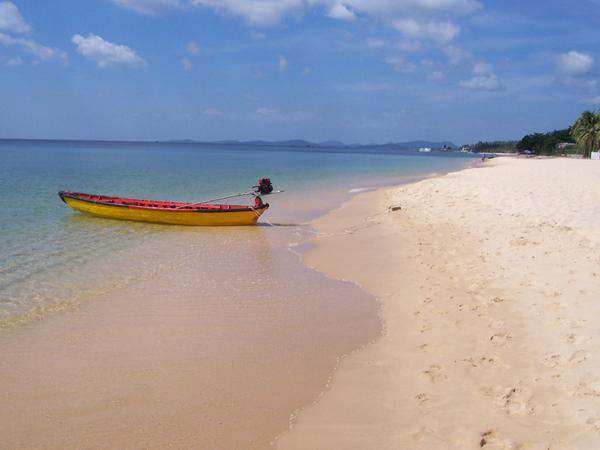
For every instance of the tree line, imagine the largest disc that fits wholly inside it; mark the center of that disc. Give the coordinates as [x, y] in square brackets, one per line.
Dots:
[582, 137]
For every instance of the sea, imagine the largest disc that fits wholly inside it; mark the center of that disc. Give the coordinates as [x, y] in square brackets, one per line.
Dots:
[266, 315]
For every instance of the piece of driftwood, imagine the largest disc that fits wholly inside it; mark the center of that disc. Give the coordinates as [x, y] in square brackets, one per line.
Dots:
[392, 208]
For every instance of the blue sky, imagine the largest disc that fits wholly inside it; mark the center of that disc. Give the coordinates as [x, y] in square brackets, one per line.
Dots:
[357, 70]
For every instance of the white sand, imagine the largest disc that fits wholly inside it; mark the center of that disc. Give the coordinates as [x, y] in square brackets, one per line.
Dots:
[490, 286]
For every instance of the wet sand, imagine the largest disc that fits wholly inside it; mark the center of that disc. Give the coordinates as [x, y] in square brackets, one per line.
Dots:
[200, 352]
[489, 282]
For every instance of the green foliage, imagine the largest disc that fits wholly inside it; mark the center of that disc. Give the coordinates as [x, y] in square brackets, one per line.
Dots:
[495, 146]
[586, 132]
[545, 143]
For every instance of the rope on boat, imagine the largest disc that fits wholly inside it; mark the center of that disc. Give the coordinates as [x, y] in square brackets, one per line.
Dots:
[187, 205]
[241, 194]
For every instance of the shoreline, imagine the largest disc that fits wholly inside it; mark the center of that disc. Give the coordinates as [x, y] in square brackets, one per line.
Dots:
[481, 346]
[60, 340]
[182, 357]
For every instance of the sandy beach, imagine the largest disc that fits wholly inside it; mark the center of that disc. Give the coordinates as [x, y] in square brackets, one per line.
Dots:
[489, 281]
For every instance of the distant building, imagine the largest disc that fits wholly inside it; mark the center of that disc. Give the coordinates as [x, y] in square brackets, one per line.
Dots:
[564, 145]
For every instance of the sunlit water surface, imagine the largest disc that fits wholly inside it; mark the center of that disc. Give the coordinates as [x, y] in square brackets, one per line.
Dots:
[52, 257]
[157, 336]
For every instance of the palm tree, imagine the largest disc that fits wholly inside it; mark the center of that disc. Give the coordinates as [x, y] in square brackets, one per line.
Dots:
[586, 132]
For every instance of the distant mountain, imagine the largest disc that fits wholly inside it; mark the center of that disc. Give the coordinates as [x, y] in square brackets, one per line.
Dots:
[419, 144]
[301, 143]
[332, 144]
[288, 143]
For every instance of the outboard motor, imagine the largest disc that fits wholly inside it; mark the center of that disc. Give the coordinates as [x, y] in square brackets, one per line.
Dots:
[264, 186]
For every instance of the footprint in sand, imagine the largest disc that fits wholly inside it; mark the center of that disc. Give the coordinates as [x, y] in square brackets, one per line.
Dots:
[557, 360]
[594, 423]
[572, 324]
[553, 361]
[496, 324]
[492, 439]
[578, 357]
[435, 374]
[518, 401]
[425, 347]
[421, 398]
[484, 362]
[583, 390]
[519, 242]
[575, 339]
[501, 339]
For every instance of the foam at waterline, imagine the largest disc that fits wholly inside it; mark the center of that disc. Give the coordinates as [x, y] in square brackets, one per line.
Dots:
[357, 190]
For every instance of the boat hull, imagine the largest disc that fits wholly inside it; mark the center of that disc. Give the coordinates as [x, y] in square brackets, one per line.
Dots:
[248, 216]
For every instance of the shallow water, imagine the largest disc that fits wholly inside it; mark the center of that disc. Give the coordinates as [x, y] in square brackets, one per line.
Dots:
[49, 252]
[181, 336]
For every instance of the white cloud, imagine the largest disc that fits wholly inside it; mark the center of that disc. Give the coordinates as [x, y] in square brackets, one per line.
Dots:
[264, 114]
[282, 64]
[456, 55]
[270, 12]
[400, 64]
[106, 54]
[436, 75]
[11, 19]
[482, 68]
[484, 78]
[409, 46]
[341, 12]
[13, 62]
[581, 83]
[193, 48]
[440, 32]
[405, 45]
[376, 43]
[575, 63]
[148, 7]
[39, 51]
[483, 83]
[257, 12]
[186, 63]
[387, 8]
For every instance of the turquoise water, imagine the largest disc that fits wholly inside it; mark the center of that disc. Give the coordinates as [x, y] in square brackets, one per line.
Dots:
[53, 256]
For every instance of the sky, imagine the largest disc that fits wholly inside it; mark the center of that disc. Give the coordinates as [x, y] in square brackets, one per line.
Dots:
[359, 71]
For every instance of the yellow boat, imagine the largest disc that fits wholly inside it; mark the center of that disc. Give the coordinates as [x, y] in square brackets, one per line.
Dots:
[174, 213]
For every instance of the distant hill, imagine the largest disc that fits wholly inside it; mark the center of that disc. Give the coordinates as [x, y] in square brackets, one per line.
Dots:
[420, 144]
[301, 143]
